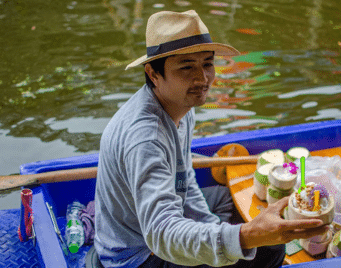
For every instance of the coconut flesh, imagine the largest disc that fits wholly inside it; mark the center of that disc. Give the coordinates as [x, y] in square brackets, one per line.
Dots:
[298, 152]
[274, 156]
[283, 177]
[265, 169]
[282, 173]
[261, 180]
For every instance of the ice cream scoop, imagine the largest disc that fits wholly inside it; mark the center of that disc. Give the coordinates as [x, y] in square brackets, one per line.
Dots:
[322, 190]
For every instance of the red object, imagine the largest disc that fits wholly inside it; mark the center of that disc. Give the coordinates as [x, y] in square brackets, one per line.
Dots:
[26, 221]
[249, 31]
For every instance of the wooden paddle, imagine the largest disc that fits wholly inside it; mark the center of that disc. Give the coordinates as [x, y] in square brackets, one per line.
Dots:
[9, 182]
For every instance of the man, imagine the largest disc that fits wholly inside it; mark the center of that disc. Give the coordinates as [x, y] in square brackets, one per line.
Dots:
[149, 209]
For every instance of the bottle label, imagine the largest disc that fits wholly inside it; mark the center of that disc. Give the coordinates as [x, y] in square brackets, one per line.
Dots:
[71, 222]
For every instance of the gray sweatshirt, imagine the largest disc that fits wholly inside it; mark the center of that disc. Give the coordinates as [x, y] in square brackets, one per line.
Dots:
[147, 199]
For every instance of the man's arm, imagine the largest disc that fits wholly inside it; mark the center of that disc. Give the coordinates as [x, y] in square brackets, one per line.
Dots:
[268, 228]
[196, 206]
[159, 211]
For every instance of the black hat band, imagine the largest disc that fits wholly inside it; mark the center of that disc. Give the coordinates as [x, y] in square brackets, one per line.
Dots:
[177, 44]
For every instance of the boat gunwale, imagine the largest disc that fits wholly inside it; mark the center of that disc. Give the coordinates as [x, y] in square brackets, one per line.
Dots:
[248, 138]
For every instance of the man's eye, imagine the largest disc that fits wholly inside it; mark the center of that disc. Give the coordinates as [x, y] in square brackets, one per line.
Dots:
[186, 68]
[208, 65]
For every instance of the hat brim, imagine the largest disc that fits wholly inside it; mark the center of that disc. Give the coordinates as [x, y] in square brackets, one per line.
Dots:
[219, 49]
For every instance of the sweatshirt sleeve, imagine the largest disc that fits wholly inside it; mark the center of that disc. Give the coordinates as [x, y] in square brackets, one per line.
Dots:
[159, 210]
[196, 206]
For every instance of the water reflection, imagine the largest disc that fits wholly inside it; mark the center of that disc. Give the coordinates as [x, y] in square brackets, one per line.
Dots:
[79, 124]
[327, 90]
[62, 73]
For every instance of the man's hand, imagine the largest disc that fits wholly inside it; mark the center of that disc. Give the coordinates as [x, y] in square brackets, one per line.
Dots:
[268, 228]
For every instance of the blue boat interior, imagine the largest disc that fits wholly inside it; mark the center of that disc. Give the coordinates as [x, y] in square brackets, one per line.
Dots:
[314, 136]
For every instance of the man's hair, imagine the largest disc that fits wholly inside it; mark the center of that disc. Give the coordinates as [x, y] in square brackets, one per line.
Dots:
[158, 66]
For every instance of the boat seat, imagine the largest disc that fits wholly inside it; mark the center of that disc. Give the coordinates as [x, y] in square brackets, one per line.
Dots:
[92, 260]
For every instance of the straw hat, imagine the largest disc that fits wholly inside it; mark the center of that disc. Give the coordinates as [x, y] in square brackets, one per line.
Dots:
[169, 33]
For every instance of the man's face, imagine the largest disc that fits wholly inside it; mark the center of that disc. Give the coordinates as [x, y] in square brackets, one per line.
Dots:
[187, 79]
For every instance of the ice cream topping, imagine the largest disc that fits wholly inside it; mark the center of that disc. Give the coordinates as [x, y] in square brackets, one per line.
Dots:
[313, 198]
[322, 189]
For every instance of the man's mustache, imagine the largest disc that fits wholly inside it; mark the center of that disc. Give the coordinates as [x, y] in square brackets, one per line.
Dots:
[198, 89]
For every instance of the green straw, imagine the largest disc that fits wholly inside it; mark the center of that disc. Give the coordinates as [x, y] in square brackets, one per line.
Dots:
[302, 174]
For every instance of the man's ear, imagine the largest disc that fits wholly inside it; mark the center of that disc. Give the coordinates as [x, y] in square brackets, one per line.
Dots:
[153, 76]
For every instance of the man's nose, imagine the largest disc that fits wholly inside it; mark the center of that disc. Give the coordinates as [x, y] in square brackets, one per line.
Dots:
[201, 76]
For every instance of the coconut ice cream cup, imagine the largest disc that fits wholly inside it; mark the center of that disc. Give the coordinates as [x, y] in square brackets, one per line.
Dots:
[282, 177]
[333, 251]
[337, 240]
[315, 248]
[261, 181]
[296, 213]
[296, 153]
[320, 238]
[334, 248]
[274, 194]
[274, 156]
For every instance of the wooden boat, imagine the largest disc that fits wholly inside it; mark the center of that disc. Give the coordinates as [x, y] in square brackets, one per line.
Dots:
[320, 138]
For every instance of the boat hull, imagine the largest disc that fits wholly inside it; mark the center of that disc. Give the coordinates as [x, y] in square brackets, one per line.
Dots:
[313, 136]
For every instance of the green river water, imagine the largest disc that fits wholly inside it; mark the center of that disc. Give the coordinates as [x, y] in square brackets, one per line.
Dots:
[62, 70]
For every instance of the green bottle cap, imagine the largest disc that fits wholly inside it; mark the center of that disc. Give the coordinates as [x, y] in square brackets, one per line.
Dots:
[73, 248]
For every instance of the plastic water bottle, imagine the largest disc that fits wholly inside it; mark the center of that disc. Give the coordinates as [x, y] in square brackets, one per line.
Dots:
[74, 227]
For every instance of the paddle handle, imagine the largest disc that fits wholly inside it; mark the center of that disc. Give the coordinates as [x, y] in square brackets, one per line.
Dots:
[9, 182]
[223, 161]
